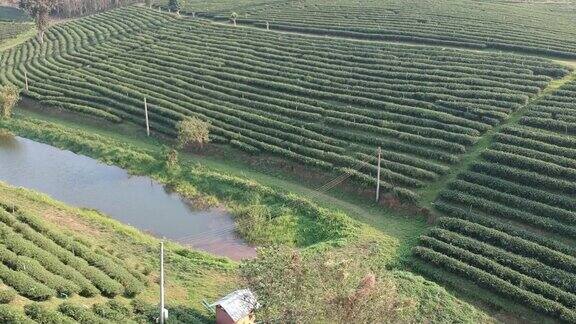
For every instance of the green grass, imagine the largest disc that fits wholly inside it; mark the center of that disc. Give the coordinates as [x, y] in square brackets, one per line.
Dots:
[402, 228]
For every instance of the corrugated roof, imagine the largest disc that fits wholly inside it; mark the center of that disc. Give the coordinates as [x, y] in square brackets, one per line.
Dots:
[238, 304]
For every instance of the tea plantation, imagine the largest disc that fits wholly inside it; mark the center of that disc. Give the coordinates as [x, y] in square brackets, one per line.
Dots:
[472, 102]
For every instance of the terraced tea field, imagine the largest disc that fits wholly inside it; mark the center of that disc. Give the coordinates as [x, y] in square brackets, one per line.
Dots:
[39, 264]
[494, 24]
[322, 102]
[64, 265]
[511, 218]
[488, 137]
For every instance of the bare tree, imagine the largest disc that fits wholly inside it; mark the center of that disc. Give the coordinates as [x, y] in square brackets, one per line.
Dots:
[40, 10]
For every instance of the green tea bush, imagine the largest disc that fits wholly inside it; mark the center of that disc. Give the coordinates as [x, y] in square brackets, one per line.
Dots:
[44, 315]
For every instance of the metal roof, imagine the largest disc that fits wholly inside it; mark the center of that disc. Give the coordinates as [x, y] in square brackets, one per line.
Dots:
[238, 304]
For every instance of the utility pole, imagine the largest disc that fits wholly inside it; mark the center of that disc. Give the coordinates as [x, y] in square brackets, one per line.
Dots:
[378, 175]
[146, 113]
[26, 80]
[161, 282]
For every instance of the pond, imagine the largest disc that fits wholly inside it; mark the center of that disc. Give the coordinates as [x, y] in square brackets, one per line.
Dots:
[134, 200]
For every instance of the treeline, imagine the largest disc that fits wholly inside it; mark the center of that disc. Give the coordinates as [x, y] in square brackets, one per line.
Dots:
[76, 8]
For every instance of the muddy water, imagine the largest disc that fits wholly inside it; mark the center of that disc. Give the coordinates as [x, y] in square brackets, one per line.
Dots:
[137, 201]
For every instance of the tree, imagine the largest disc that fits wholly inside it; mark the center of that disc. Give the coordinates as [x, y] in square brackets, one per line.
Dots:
[175, 6]
[40, 11]
[171, 156]
[192, 130]
[9, 96]
[323, 287]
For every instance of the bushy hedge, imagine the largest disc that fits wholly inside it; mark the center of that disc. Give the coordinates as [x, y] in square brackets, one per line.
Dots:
[495, 269]
[7, 294]
[495, 223]
[510, 243]
[285, 98]
[51, 250]
[132, 285]
[80, 313]
[43, 315]
[25, 285]
[486, 280]
[528, 266]
[11, 315]
[34, 269]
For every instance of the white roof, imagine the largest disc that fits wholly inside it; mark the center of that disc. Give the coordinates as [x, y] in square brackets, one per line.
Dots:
[238, 304]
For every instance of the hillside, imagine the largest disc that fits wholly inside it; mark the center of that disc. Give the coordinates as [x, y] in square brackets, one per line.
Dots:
[287, 96]
[112, 274]
[523, 26]
[511, 225]
[66, 265]
[473, 104]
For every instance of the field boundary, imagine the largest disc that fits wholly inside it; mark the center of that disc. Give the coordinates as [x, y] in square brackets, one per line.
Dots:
[431, 192]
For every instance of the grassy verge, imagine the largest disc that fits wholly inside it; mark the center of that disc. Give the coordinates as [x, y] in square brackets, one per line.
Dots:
[198, 276]
[290, 219]
[401, 228]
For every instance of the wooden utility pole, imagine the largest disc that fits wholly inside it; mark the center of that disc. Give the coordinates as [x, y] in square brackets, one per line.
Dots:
[162, 312]
[378, 175]
[146, 113]
[26, 80]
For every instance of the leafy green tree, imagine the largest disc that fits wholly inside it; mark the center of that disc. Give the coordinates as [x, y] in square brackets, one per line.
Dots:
[9, 97]
[192, 130]
[171, 158]
[40, 11]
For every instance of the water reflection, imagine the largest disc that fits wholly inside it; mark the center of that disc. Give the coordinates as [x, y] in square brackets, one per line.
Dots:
[134, 200]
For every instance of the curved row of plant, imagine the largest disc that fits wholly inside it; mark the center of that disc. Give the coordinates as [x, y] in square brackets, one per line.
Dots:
[511, 225]
[540, 28]
[324, 103]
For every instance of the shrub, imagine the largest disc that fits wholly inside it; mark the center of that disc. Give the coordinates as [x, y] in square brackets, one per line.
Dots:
[25, 285]
[80, 313]
[9, 96]
[43, 315]
[10, 315]
[7, 295]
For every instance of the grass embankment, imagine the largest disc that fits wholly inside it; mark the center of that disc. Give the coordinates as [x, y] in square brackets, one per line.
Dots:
[305, 224]
[284, 218]
[399, 229]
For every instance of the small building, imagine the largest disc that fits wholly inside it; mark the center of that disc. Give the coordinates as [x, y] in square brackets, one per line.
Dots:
[236, 308]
